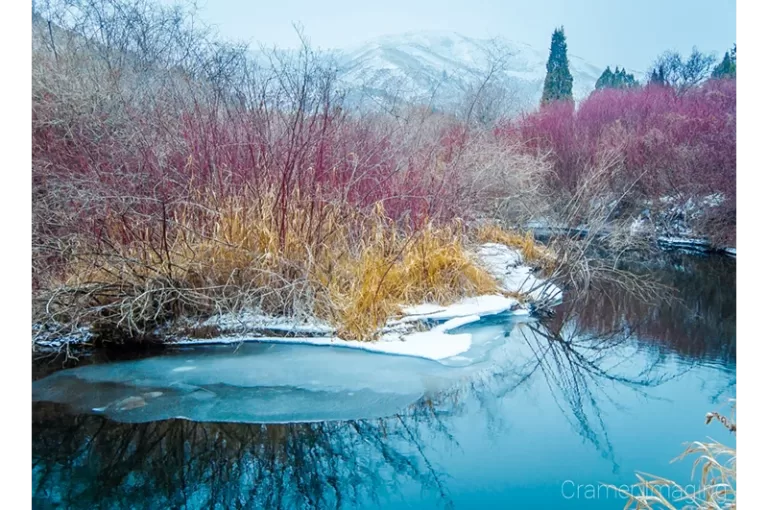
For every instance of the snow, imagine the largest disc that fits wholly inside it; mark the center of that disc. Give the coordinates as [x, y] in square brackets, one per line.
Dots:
[640, 226]
[506, 264]
[481, 306]
[684, 241]
[43, 339]
[693, 245]
[251, 320]
[416, 62]
[398, 338]
[434, 344]
[690, 244]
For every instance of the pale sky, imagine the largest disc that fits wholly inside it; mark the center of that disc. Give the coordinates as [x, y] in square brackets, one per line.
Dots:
[627, 33]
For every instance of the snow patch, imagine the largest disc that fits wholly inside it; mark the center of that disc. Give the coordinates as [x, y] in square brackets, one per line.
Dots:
[50, 339]
[481, 306]
[250, 320]
[506, 265]
[434, 344]
[684, 241]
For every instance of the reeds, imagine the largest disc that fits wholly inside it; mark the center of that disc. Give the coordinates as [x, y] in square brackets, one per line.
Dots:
[716, 484]
[354, 270]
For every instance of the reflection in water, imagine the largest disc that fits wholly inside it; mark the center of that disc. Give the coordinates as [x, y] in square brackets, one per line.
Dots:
[581, 372]
[580, 350]
[90, 460]
[598, 364]
[180, 463]
[697, 320]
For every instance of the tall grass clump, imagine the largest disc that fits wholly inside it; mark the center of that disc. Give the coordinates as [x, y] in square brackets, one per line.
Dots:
[178, 176]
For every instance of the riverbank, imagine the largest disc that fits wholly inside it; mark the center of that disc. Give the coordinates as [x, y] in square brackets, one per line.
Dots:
[641, 232]
[421, 330]
[273, 414]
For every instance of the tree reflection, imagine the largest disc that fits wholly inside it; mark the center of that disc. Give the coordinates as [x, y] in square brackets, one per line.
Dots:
[590, 356]
[583, 374]
[591, 349]
[697, 319]
[86, 461]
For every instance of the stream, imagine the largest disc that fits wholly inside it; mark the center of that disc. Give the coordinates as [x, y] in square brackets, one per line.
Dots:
[537, 414]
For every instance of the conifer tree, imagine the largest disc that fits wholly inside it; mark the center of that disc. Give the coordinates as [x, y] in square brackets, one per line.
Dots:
[726, 68]
[658, 76]
[733, 59]
[605, 79]
[558, 85]
[618, 79]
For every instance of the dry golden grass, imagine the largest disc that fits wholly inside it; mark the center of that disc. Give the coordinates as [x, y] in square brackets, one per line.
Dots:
[353, 270]
[431, 265]
[716, 486]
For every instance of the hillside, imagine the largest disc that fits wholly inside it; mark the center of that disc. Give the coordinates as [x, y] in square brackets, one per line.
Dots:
[442, 67]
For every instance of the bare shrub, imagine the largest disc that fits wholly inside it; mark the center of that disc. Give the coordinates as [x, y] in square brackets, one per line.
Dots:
[175, 176]
[666, 145]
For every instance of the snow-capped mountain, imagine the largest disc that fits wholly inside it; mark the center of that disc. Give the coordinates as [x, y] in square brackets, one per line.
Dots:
[445, 66]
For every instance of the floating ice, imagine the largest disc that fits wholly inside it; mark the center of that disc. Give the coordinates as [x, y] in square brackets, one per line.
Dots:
[273, 382]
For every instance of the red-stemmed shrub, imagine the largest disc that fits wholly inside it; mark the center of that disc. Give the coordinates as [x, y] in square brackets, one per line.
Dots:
[670, 144]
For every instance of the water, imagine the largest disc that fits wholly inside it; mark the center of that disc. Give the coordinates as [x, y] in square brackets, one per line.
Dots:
[536, 415]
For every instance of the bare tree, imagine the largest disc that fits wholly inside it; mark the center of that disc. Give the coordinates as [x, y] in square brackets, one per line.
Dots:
[492, 95]
[674, 70]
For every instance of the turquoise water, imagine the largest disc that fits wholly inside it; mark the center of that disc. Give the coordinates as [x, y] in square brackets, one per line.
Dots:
[536, 415]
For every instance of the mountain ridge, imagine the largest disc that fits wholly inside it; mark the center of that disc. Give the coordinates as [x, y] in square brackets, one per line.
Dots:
[443, 66]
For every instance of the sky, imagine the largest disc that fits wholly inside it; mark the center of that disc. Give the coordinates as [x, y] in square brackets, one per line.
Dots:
[626, 33]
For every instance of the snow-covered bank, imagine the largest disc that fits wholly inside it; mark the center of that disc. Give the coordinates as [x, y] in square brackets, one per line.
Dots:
[642, 228]
[674, 228]
[669, 222]
[251, 320]
[506, 265]
[401, 336]
[692, 244]
[481, 306]
[405, 335]
[433, 344]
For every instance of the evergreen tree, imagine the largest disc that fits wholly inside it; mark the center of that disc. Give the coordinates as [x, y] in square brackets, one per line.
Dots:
[605, 79]
[733, 59]
[628, 79]
[558, 85]
[658, 76]
[726, 68]
[618, 79]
